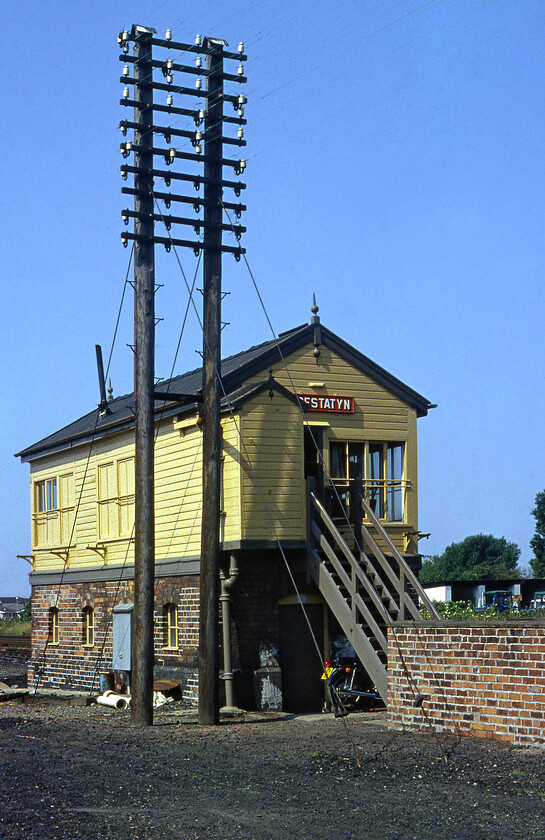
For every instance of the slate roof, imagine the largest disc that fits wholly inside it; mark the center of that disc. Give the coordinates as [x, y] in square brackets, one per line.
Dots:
[235, 370]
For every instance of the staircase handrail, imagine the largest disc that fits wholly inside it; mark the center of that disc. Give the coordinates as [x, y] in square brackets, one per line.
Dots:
[405, 600]
[409, 574]
[357, 600]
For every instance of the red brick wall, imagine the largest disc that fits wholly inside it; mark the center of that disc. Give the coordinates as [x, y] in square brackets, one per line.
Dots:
[71, 665]
[480, 679]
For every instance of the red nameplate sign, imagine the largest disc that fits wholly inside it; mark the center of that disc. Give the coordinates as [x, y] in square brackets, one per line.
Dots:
[323, 402]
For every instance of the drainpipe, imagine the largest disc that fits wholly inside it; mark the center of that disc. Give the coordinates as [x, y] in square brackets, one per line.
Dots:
[227, 584]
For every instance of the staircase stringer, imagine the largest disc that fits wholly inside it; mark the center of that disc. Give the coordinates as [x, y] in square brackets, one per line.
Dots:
[356, 604]
[354, 632]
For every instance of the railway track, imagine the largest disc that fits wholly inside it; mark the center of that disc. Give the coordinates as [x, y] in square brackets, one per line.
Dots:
[15, 644]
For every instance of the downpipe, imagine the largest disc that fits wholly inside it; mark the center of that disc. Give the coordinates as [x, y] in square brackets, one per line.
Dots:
[227, 585]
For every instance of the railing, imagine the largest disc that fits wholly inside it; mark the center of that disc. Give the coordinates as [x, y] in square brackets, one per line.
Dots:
[366, 593]
[381, 574]
[405, 573]
[386, 497]
[343, 583]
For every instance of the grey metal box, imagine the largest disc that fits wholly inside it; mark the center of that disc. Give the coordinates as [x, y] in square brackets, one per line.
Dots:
[122, 635]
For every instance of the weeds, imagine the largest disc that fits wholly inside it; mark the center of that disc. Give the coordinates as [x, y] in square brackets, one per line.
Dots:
[465, 611]
[14, 627]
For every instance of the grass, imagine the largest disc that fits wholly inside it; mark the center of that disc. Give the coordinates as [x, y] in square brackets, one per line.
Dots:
[14, 627]
[533, 785]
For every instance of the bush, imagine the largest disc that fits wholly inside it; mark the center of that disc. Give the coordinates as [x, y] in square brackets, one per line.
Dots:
[465, 611]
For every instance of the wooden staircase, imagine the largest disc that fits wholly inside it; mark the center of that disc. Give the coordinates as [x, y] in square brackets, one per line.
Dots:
[365, 592]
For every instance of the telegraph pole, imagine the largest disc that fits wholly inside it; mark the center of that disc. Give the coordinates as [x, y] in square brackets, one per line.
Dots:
[212, 204]
[144, 380]
[211, 443]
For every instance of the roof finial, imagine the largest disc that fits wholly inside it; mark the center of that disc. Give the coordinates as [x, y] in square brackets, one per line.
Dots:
[110, 391]
[317, 331]
[314, 309]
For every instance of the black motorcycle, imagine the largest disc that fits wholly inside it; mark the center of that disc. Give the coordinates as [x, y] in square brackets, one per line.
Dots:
[350, 683]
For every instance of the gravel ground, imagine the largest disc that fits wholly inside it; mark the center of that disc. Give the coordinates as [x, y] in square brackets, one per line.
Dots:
[84, 772]
[13, 669]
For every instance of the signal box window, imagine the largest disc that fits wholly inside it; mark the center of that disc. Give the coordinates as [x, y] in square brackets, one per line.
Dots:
[46, 495]
[379, 466]
[53, 514]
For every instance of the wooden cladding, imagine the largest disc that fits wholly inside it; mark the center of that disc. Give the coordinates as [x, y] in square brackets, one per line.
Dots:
[263, 470]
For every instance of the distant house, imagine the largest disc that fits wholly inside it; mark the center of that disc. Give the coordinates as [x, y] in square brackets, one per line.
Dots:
[11, 607]
[308, 407]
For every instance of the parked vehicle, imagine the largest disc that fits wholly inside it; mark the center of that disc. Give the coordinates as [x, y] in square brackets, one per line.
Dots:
[351, 683]
[538, 602]
[501, 599]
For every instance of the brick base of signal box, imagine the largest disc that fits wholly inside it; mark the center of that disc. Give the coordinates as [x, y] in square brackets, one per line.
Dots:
[70, 664]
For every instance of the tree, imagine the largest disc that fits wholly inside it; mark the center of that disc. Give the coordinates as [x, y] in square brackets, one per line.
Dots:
[26, 615]
[478, 556]
[537, 543]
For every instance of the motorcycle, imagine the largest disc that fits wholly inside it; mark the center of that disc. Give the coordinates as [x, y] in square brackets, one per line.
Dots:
[347, 681]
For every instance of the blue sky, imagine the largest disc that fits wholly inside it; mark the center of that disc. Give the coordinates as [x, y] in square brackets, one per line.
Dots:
[395, 168]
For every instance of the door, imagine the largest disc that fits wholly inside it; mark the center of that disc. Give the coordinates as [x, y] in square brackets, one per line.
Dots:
[302, 686]
[313, 437]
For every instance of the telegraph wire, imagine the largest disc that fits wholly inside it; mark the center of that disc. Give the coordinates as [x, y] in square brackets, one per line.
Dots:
[43, 655]
[252, 102]
[126, 283]
[109, 622]
[384, 28]
[322, 38]
[100, 655]
[417, 697]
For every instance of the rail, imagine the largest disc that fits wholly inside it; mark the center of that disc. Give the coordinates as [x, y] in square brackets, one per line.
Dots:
[12, 644]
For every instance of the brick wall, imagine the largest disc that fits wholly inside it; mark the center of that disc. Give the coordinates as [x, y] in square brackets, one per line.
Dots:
[483, 679]
[71, 665]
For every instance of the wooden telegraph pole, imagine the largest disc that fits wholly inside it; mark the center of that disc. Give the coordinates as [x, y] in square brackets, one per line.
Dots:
[144, 379]
[209, 571]
[144, 149]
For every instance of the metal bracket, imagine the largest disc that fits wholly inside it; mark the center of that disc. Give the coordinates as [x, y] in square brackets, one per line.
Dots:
[100, 551]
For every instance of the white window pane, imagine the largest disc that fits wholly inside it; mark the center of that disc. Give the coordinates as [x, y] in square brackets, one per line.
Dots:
[395, 476]
[52, 494]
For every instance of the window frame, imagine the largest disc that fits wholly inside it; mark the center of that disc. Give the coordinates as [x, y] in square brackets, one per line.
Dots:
[386, 490]
[53, 508]
[88, 613]
[53, 626]
[170, 626]
[46, 495]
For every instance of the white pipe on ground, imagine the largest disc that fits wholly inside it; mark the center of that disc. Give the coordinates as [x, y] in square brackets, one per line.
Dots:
[116, 701]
